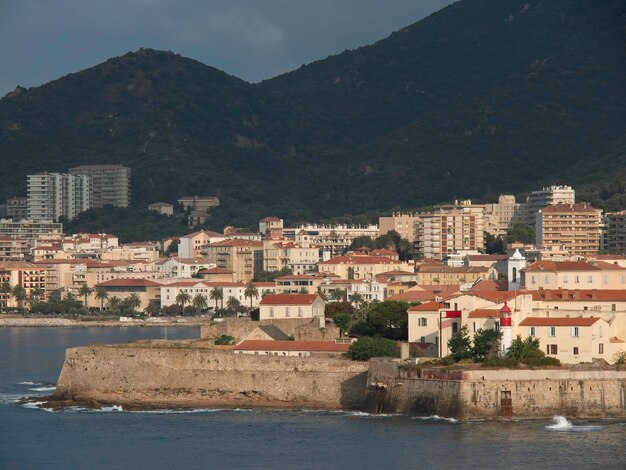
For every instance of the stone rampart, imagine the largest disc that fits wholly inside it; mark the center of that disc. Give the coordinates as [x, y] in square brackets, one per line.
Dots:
[202, 377]
[469, 394]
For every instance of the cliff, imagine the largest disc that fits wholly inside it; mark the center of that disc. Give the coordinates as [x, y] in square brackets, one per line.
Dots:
[191, 375]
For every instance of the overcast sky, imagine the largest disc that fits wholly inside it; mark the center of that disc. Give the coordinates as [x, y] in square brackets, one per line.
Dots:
[41, 40]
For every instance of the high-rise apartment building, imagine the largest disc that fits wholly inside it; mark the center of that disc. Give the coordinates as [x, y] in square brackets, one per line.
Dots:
[404, 223]
[615, 231]
[500, 217]
[52, 195]
[110, 184]
[452, 228]
[547, 197]
[575, 227]
[17, 208]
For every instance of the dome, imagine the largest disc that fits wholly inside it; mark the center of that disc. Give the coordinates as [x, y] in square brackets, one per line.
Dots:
[517, 255]
[505, 308]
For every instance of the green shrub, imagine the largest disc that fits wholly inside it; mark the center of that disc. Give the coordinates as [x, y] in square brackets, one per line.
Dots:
[501, 362]
[542, 361]
[225, 340]
[619, 358]
[366, 347]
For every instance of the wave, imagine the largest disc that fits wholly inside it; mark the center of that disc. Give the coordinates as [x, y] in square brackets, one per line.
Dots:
[29, 383]
[436, 418]
[36, 405]
[43, 389]
[562, 424]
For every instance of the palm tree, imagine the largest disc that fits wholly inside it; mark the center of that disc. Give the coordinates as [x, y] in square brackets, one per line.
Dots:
[36, 294]
[265, 292]
[233, 303]
[150, 309]
[303, 290]
[357, 299]
[20, 295]
[320, 292]
[133, 301]
[85, 291]
[7, 290]
[337, 294]
[216, 294]
[251, 291]
[199, 302]
[114, 303]
[183, 298]
[70, 297]
[101, 295]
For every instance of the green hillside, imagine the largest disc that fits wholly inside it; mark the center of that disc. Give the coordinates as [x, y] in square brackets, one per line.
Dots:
[481, 97]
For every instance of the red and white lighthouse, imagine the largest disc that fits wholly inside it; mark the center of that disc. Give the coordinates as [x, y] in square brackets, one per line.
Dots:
[506, 326]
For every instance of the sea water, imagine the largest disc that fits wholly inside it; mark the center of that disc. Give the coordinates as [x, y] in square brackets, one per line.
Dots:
[78, 438]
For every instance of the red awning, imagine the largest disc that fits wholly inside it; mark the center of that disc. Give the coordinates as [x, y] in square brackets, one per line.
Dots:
[453, 314]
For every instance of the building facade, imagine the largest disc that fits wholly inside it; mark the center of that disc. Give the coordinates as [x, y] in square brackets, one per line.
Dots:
[575, 227]
[54, 195]
[109, 184]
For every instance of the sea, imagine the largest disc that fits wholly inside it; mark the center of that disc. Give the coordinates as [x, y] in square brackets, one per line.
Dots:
[112, 438]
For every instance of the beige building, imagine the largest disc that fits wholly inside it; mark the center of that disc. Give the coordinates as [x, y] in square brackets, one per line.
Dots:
[199, 207]
[573, 275]
[548, 196]
[146, 289]
[500, 217]
[162, 208]
[18, 238]
[27, 275]
[17, 208]
[193, 287]
[109, 184]
[576, 227]
[616, 231]
[330, 239]
[452, 275]
[243, 257]
[183, 268]
[190, 245]
[451, 228]
[361, 266]
[274, 306]
[271, 227]
[280, 255]
[402, 222]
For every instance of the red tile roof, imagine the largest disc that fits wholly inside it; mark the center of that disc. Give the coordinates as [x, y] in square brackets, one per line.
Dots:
[358, 259]
[270, 219]
[427, 307]
[487, 257]
[571, 266]
[313, 346]
[289, 299]
[562, 207]
[616, 340]
[215, 271]
[583, 295]
[559, 321]
[484, 313]
[488, 284]
[239, 242]
[130, 283]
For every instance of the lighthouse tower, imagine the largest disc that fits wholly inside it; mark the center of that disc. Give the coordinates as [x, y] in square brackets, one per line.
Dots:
[515, 264]
[506, 326]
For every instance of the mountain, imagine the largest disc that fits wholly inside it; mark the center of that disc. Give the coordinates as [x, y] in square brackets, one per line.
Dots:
[481, 97]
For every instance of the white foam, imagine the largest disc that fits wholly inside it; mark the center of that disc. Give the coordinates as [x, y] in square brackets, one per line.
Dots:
[29, 383]
[436, 418]
[36, 405]
[562, 424]
[43, 389]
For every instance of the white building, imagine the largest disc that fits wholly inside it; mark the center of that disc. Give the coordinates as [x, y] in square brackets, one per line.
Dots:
[184, 267]
[52, 195]
[291, 306]
[547, 197]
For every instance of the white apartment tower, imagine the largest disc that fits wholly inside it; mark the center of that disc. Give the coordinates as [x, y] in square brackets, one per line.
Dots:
[52, 195]
[549, 196]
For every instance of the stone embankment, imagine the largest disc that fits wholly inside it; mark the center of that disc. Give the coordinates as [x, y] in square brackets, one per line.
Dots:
[483, 393]
[302, 329]
[18, 321]
[192, 374]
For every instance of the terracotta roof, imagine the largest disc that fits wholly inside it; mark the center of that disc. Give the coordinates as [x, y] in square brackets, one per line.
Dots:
[425, 293]
[487, 257]
[496, 296]
[208, 233]
[488, 284]
[562, 207]
[359, 259]
[616, 340]
[314, 346]
[289, 299]
[270, 219]
[451, 269]
[559, 321]
[215, 271]
[484, 313]
[264, 284]
[427, 307]
[583, 295]
[130, 283]
[383, 252]
[571, 266]
[396, 272]
[238, 242]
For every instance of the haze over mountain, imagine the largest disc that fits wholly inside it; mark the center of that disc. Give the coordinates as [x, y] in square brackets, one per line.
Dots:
[481, 97]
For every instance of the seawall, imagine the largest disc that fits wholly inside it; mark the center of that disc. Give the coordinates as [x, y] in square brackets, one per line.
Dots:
[153, 375]
[504, 393]
[302, 329]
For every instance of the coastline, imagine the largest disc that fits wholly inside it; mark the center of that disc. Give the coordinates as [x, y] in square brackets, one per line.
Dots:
[25, 322]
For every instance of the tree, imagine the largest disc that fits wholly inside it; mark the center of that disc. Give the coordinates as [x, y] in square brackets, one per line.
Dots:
[19, 293]
[390, 319]
[356, 298]
[250, 292]
[270, 276]
[342, 320]
[114, 303]
[133, 301]
[85, 291]
[460, 345]
[338, 307]
[366, 347]
[216, 294]
[6, 290]
[183, 298]
[486, 344]
[337, 294]
[303, 290]
[520, 232]
[493, 245]
[101, 295]
[151, 308]
[522, 350]
[232, 303]
[199, 302]
[320, 292]
[36, 294]
[69, 297]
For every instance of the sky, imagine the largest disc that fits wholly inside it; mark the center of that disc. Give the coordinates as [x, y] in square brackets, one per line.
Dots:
[42, 40]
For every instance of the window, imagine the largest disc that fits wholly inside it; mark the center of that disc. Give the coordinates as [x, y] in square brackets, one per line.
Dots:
[600, 331]
[575, 332]
[564, 279]
[299, 311]
[551, 349]
[606, 279]
[589, 279]
[532, 331]
[497, 326]
[577, 279]
[474, 327]
[422, 321]
[286, 311]
[601, 348]
[552, 331]
[422, 339]
[575, 351]
[272, 312]
[613, 307]
[546, 280]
